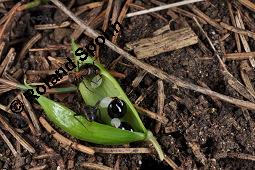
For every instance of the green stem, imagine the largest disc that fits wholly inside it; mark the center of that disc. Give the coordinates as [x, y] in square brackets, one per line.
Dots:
[64, 90]
[156, 145]
[33, 4]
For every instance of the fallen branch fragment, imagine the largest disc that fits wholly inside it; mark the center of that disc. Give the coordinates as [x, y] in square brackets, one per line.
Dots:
[162, 7]
[239, 56]
[31, 113]
[238, 30]
[9, 144]
[28, 45]
[22, 141]
[197, 152]
[161, 103]
[154, 71]
[52, 26]
[122, 150]
[205, 17]
[8, 59]
[171, 162]
[169, 41]
[39, 167]
[152, 115]
[235, 155]
[95, 166]
[249, 4]
[9, 20]
[64, 140]
[121, 17]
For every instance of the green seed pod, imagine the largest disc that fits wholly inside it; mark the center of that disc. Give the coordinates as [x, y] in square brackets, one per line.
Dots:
[109, 87]
[81, 128]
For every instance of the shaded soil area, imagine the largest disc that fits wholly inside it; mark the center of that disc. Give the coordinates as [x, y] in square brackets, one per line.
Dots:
[201, 130]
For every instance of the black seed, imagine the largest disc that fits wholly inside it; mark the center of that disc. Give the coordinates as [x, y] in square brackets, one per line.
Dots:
[117, 108]
[125, 126]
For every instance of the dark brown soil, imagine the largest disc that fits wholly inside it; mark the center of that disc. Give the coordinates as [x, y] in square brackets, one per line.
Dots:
[196, 118]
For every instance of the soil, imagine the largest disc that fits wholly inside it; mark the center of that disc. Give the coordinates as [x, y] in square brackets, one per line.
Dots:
[215, 127]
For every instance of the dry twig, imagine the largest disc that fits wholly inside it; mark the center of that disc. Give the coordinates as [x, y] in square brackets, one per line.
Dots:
[107, 15]
[161, 103]
[238, 30]
[235, 155]
[172, 40]
[64, 140]
[28, 45]
[52, 26]
[121, 17]
[152, 115]
[163, 7]
[249, 4]
[22, 141]
[95, 166]
[9, 144]
[31, 113]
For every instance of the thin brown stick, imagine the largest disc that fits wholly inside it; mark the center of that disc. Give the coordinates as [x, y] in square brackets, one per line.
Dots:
[235, 155]
[95, 166]
[2, 45]
[31, 113]
[205, 17]
[188, 14]
[122, 150]
[28, 45]
[238, 44]
[116, 10]
[154, 71]
[22, 141]
[239, 56]
[161, 103]
[121, 17]
[41, 167]
[64, 140]
[170, 162]
[107, 14]
[8, 59]
[244, 66]
[144, 95]
[9, 144]
[8, 22]
[86, 7]
[152, 115]
[44, 156]
[238, 30]
[52, 26]
[30, 125]
[249, 4]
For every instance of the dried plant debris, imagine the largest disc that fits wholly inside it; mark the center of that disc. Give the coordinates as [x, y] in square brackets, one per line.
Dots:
[172, 40]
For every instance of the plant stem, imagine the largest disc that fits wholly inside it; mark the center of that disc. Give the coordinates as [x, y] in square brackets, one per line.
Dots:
[156, 145]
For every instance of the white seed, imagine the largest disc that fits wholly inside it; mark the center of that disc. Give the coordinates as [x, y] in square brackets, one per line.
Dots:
[105, 102]
[115, 122]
